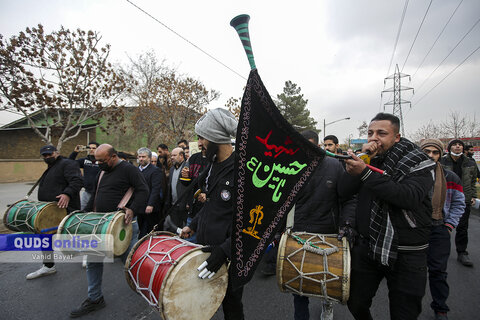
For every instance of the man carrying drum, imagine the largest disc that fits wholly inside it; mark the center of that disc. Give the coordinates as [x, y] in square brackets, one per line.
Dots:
[393, 218]
[213, 223]
[320, 209]
[61, 182]
[110, 188]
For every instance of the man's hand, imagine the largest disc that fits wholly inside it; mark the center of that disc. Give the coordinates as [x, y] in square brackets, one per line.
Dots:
[370, 148]
[472, 202]
[149, 209]
[354, 166]
[185, 172]
[77, 148]
[128, 215]
[213, 263]
[202, 197]
[348, 232]
[186, 233]
[63, 200]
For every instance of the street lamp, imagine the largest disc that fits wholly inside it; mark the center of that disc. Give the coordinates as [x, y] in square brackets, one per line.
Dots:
[326, 124]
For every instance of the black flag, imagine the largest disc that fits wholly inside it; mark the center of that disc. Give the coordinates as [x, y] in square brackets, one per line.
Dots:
[273, 163]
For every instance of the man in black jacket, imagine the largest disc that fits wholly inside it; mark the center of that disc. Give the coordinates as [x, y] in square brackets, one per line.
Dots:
[213, 224]
[321, 209]
[466, 169]
[154, 178]
[90, 171]
[393, 218]
[61, 182]
[118, 176]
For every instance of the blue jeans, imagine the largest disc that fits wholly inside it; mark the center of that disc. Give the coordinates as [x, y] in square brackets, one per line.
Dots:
[437, 259]
[95, 269]
[84, 198]
[192, 239]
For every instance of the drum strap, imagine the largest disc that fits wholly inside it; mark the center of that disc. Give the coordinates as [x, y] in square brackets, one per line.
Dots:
[96, 191]
[36, 184]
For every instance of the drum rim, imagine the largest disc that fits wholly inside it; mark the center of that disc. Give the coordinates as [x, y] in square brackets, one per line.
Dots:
[281, 253]
[5, 215]
[119, 215]
[217, 275]
[346, 272]
[39, 213]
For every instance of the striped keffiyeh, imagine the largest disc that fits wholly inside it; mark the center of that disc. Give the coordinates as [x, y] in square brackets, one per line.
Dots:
[404, 158]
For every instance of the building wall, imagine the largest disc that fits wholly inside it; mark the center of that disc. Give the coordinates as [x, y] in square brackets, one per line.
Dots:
[25, 144]
[21, 170]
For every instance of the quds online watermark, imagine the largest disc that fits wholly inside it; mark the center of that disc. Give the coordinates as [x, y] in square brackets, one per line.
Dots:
[56, 248]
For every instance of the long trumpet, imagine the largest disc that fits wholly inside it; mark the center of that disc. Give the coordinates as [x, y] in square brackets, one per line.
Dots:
[240, 23]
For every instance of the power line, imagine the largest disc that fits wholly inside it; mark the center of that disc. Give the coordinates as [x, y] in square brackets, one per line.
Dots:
[395, 46]
[438, 37]
[398, 34]
[447, 75]
[418, 31]
[451, 51]
[185, 39]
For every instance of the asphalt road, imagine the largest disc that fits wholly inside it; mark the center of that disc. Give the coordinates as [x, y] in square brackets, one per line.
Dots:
[54, 296]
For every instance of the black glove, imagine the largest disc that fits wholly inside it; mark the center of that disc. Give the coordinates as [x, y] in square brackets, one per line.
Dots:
[347, 231]
[216, 259]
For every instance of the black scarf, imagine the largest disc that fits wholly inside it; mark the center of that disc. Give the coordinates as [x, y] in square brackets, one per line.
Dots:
[404, 158]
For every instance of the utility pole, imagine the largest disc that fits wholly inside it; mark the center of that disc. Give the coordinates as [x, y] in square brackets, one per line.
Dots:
[397, 100]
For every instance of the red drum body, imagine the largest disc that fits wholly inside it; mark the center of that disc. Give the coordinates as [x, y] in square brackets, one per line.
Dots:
[163, 269]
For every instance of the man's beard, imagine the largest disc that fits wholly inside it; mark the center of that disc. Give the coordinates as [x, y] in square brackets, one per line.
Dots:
[212, 150]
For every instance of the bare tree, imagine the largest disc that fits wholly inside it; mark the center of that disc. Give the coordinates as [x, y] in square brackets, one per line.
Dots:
[455, 126]
[64, 76]
[362, 129]
[426, 131]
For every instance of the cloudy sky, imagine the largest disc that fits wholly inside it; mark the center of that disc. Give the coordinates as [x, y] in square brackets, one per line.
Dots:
[338, 52]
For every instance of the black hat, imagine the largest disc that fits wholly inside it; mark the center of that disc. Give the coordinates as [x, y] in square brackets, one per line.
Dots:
[455, 141]
[48, 149]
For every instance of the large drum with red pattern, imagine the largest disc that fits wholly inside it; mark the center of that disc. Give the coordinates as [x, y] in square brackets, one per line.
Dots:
[162, 268]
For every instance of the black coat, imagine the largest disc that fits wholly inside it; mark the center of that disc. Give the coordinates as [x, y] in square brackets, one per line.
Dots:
[63, 176]
[154, 178]
[409, 200]
[320, 208]
[213, 224]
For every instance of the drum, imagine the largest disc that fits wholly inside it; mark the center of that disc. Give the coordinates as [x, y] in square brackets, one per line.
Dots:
[163, 269]
[98, 224]
[314, 265]
[33, 216]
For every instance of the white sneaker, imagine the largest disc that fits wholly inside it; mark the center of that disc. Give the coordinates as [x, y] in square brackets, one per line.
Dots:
[84, 261]
[43, 271]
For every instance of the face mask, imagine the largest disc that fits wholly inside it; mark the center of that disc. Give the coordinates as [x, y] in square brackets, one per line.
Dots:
[49, 161]
[455, 154]
[105, 167]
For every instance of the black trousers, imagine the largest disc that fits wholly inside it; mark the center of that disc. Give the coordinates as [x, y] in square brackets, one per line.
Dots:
[437, 259]
[461, 237]
[406, 282]
[146, 222]
[232, 303]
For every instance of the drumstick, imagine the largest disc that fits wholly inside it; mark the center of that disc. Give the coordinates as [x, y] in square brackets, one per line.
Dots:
[48, 229]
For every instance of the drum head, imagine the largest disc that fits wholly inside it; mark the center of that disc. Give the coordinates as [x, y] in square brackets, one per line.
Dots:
[122, 233]
[184, 294]
[49, 216]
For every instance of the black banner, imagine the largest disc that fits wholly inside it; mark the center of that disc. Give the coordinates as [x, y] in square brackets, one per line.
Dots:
[273, 163]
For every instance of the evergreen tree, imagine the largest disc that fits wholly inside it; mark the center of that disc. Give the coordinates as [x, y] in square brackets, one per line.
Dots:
[293, 107]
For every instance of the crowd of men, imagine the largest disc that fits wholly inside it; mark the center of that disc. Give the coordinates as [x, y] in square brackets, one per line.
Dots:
[398, 223]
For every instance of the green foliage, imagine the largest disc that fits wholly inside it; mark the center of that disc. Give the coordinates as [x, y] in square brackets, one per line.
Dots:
[293, 107]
